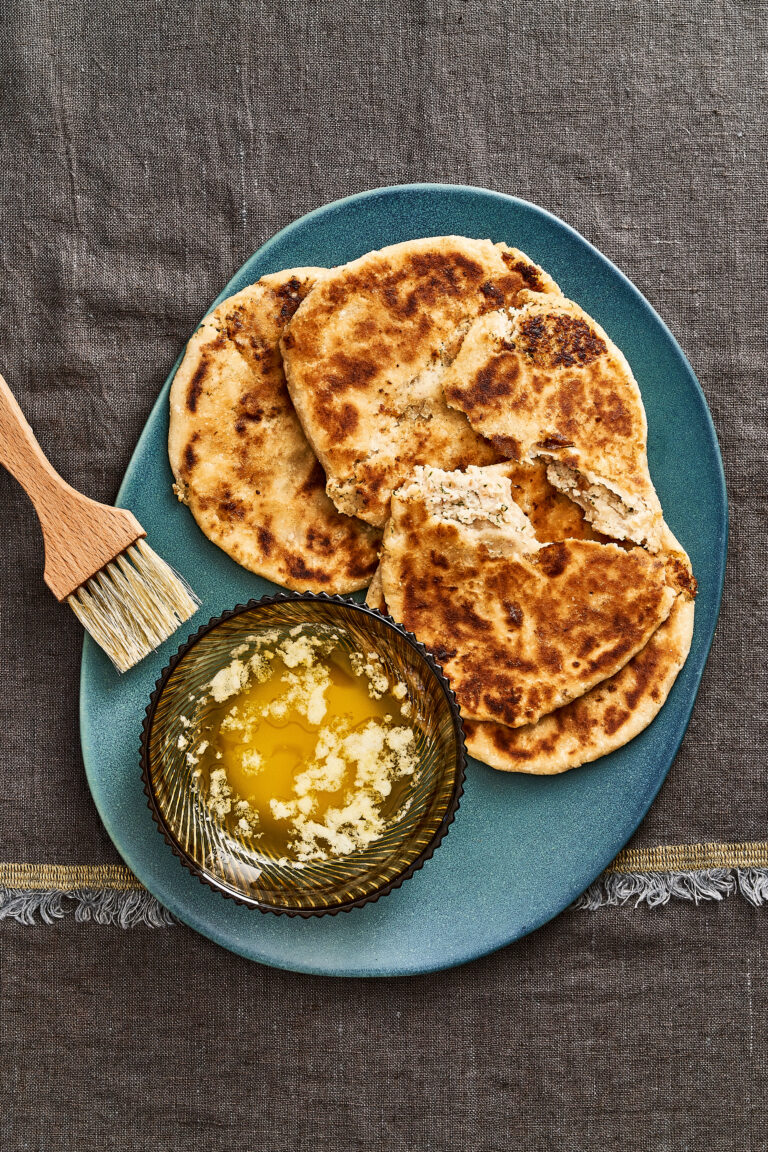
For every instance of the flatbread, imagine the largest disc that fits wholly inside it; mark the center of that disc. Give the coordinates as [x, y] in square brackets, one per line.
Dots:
[365, 353]
[599, 722]
[552, 515]
[241, 461]
[618, 708]
[520, 628]
[546, 380]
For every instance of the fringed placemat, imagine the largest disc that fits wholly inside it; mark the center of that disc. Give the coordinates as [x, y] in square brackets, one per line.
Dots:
[696, 872]
[106, 893]
[111, 894]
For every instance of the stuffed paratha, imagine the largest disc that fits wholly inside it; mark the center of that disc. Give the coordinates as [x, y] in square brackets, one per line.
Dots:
[241, 461]
[618, 708]
[599, 722]
[545, 380]
[520, 628]
[365, 353]
[591, 726]
[552, 515]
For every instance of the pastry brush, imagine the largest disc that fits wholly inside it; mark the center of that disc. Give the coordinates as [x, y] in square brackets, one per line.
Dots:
[96, 558]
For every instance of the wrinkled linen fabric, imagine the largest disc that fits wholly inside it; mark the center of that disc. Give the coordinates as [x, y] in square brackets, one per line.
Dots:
[145, 152]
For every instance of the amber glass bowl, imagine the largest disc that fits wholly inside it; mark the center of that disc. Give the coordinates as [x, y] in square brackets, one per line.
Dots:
[236, 866]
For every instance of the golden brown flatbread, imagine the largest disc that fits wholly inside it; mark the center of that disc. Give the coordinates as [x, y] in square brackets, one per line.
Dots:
[618, 708]
[240, 458]
[604, 719]
[366, 351]
[520, 628]
[552, 515]
[544, 380]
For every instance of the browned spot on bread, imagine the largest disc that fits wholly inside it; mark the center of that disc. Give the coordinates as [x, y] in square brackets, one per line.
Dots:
[362, 565]
[231, 508]
[463, 619]
[375, 476]
[443, 654]
[507, 707]
[348, 418]
[348, 372]
[555, 441]
[315, 481]
[614, 415]
[550, 658]
[644, 668]
[493, 293]
[340, 419]
[507, 445]
[290, 296]
[555, 341]
[299, 570]
[553, 559]
[190, 459]
[614, 718]
[196, 384]
[365, 329]
[502, 738]
[529, 274]
[250, 411]
[266, 540]
[680, 576]
[495, 381]
[319, 542]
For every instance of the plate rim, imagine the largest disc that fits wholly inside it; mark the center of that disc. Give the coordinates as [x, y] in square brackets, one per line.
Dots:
[611, 844]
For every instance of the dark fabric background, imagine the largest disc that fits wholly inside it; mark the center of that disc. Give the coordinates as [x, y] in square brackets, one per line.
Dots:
[145, 152]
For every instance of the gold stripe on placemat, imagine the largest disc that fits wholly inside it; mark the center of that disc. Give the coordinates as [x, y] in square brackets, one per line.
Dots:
[691, 857]
[67, 877]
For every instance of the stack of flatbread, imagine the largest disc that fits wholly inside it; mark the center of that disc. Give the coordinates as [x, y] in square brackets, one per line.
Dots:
[436, 422]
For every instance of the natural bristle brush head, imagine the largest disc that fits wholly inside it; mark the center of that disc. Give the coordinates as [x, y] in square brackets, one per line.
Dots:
[134, 603]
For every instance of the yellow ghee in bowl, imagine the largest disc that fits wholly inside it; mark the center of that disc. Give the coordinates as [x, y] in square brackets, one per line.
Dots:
[304, 746]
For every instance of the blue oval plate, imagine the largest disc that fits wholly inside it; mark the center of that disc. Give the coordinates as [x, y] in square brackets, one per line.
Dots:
[522, 847]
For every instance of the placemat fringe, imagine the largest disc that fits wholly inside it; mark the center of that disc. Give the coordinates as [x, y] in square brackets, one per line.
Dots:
[615, 888]
[110, 906]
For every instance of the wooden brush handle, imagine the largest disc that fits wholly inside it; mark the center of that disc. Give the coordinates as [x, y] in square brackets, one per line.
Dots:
[80, 535]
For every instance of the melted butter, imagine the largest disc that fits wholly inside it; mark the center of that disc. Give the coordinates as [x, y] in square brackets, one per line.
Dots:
[298, 744]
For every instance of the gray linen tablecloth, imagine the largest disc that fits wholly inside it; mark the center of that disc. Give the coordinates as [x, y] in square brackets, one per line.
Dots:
[145, 151]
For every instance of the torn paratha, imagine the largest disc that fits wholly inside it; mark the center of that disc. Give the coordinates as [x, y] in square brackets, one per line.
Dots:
[552, 515]
[545, 380]
[365, 353]
[240, 458]
[618, 708]
[520, 628]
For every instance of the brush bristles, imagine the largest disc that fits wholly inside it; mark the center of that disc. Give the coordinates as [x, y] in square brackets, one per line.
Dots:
[133, 604]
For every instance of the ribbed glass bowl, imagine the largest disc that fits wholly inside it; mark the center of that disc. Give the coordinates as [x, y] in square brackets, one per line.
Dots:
[236, 866]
